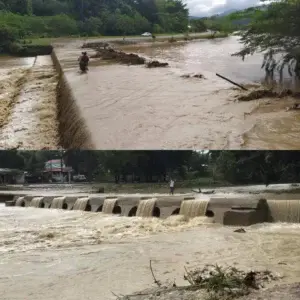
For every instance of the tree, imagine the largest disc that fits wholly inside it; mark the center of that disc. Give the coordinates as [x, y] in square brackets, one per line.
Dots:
[246, 167]
[40, 18]
[11, 159]
[8, 36]
[275, 31]
[198, 25]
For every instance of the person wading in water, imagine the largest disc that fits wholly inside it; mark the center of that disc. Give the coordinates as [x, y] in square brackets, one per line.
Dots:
[172, 186]
[83, 61]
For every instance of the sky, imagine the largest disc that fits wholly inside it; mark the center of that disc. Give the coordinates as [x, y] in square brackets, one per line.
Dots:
[210, 7]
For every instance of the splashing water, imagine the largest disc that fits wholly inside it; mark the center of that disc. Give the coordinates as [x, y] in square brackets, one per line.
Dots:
[58, 202]
[193, 208]
[108, 205]
[20, 201]
[81, 204]
[146, 207]
[37, 202]
[285, 210]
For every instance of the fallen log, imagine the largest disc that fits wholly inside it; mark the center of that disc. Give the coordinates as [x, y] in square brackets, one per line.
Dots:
[232, 82]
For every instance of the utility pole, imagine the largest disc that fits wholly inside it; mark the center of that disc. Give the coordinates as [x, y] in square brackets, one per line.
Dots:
[61, 166]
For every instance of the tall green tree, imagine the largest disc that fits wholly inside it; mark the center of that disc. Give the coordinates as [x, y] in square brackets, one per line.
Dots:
[276, 32]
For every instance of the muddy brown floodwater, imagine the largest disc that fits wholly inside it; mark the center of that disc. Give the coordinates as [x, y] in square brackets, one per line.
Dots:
[28, 117]
[46, 254]
[132, 107]
[128, 107]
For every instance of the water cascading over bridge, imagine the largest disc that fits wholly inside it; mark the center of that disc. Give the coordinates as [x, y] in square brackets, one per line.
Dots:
[193, 208]
[109, 205]
[59, 203]
[146, 208]
[20, 202]
[37, 202]
[284, 211]
[82, 204]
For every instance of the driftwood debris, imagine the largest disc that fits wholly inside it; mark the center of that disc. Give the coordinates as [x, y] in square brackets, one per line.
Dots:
[156, 64]
[232, 82]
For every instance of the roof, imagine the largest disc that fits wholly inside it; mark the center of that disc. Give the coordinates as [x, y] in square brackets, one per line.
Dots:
[56, 165]
[5, 171]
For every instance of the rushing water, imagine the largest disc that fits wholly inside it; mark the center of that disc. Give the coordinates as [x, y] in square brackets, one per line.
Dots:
[49, 253]
[134, 107]
[193, 208]
[28, 117]
[140, 108]
[146, 207]
[82, 204]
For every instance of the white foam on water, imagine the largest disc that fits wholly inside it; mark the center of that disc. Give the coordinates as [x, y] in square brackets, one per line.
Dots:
[24, 229]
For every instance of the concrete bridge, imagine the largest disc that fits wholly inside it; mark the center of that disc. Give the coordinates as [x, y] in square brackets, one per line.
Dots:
[237, 210]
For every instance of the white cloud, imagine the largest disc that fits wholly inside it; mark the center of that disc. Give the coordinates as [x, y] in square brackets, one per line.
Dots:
[210, 7]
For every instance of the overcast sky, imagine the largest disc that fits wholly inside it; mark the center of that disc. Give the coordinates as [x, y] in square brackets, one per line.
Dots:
[211, 7]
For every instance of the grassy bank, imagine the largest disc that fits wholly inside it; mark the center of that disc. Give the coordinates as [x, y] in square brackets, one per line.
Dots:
[32, 50]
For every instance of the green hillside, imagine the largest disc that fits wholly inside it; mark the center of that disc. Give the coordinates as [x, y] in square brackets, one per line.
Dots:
[92, 17]
[237, 20]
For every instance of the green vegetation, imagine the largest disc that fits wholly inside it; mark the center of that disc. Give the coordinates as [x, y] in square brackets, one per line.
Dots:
[275, 32]
[235, 21]
[23, 19]
[233, 167]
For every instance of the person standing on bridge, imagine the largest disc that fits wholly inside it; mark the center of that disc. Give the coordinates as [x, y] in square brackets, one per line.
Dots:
[172, 186]
[83, 61]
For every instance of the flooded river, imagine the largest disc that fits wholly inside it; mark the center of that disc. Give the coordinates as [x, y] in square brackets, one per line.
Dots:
[28, 116]
[46, 254]
[134, 107]
[138, 108]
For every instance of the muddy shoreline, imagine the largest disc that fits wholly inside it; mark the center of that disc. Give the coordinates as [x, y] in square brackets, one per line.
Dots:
[279, 292]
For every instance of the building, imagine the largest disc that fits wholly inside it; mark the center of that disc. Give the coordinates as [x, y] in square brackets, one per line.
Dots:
[56, 171]
[12, 176]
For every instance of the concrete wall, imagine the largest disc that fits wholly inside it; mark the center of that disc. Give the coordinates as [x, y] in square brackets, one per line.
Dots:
[72, 128]
[48, 200]
[234, 207]
[128, 205]
[169, 205]
[97, 203]
[6, 197]
[243, 211]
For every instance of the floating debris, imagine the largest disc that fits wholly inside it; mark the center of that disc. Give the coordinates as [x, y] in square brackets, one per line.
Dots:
[200, 76]
[156, 64]
[268, 93]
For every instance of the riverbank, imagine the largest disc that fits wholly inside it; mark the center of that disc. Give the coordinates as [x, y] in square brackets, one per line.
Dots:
[41, 42]
[205, 184]
[279, 292]
[30, 47]
[213, 282]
